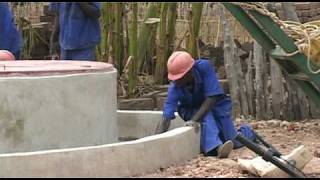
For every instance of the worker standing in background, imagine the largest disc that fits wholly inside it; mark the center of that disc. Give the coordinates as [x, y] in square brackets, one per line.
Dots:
[76, 30]
[200, 101]
[10, 37]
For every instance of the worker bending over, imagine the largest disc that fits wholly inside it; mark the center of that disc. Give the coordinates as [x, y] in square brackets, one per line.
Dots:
[196, 94]
[77, 30]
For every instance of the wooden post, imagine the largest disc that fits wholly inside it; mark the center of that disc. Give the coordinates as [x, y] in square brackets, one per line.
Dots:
[277, 91]
[240, 86]
[249, 82]
[228, 62]
[267, 86]
[259, 66]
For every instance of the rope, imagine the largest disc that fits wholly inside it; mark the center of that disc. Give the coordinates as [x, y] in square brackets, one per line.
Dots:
[302, 34]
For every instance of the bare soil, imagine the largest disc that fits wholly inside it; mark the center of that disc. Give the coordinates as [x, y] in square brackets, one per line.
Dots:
[283, 135]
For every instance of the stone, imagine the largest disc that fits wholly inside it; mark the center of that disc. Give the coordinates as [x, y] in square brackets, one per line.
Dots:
[301, 156]
[313, 167]
[273, 123]
[229, 163]
[284, 124]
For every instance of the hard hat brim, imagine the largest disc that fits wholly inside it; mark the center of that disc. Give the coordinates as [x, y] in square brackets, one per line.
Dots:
[179, 76]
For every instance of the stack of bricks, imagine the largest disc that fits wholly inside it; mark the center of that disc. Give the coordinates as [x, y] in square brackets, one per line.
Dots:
[306, 11]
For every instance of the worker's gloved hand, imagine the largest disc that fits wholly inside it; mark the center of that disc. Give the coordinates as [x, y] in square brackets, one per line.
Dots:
[194, 124]
[162, 126]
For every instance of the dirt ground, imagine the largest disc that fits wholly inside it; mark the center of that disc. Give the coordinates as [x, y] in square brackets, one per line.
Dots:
[284, 136]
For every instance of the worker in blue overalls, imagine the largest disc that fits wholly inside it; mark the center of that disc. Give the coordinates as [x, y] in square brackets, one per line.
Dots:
[196, 94]
[10, 37]
[77, 30]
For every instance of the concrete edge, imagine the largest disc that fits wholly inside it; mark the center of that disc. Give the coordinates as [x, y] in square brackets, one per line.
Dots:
[135, 124]
[112, 160]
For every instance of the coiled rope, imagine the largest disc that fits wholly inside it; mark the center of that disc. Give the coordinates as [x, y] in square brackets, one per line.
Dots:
[305, 35]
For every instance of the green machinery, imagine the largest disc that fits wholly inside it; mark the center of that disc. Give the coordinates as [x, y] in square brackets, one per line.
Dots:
[278, 44]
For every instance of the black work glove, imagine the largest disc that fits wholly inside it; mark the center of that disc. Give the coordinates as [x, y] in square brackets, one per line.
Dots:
[194, 124]
[162, 126]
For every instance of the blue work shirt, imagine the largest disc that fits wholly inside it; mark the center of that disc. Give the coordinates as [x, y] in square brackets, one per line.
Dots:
[205, 84]
[10, 37]
[77, 30]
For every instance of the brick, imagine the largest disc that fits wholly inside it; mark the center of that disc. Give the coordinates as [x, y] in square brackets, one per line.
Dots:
[316, 18]
[313, 12]
[315, 5]
[160, 102]
[302, 6]
[47, 18]
[151, 94]
[162, 87]
[305, 13]
[304, 19]
[137, 104]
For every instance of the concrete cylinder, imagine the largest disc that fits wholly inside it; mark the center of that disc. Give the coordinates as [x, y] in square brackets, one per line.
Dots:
[56, 104]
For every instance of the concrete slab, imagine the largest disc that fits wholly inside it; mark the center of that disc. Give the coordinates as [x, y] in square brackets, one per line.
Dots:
[60, 111]
[113, 160]
[139, 124]
[123, 159]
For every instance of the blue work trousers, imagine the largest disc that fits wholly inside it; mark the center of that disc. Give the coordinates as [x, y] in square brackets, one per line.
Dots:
[217, 126]
[87, 54]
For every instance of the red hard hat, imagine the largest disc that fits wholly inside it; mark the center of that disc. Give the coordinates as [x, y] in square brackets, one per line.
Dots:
[6, 56]
[179, 63]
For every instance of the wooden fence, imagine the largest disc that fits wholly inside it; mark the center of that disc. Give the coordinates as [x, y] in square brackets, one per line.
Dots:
[210, 31]
[258, 87]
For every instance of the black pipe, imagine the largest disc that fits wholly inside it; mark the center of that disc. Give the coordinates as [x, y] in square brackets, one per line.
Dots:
[267, 155]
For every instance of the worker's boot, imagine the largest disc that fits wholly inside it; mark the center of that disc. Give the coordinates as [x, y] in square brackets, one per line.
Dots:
[225, 149]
